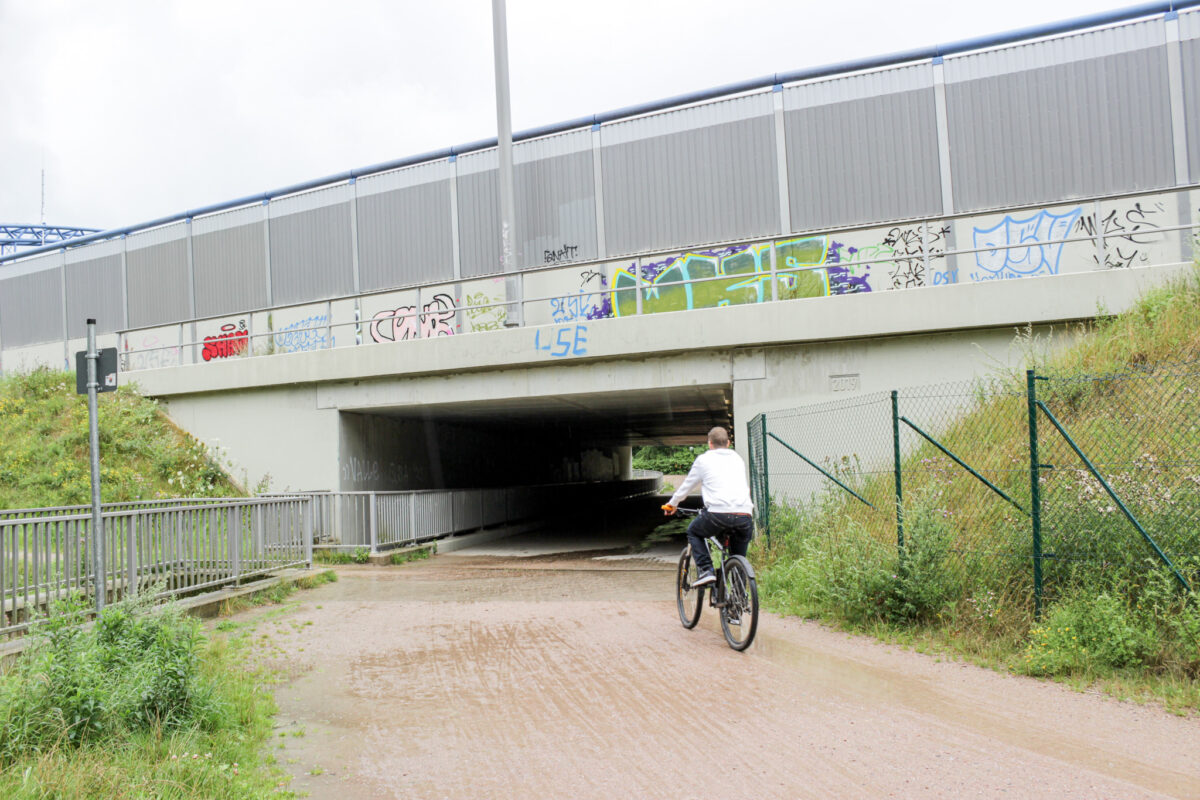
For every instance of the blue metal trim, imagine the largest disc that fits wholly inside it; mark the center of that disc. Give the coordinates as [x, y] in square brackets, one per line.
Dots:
[777, 87]
[937, 60]
[875, 62]
[1170, 15]
[595, 126]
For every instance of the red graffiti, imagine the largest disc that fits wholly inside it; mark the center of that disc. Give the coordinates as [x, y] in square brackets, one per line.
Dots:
[435, 321]
[231, 341]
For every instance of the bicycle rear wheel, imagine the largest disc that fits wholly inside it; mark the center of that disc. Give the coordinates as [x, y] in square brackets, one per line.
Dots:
[689, 600]
[739, 615]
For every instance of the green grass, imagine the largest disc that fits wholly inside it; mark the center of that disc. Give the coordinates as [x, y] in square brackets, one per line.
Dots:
[1115, 620]
[143, 456]
[141, 705]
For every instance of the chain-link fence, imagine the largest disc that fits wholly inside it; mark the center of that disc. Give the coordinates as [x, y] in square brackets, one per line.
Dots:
[1004, 490]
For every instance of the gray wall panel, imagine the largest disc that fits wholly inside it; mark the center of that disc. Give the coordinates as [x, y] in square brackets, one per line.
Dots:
[863, 161]
[230, 269]
[1190, 52]
[479, 223]
[404, 236]
[701, 185]
[310, 254]
[1066, 130]
[556, 209]
[95, 290]
[31, 308]
[158, 284]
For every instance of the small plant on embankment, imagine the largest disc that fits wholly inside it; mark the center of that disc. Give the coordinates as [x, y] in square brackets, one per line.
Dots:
[45, 457]
[140, 704]
[1114, 616]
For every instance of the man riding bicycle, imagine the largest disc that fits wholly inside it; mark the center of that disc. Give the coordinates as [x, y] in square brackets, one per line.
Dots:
[721, 474]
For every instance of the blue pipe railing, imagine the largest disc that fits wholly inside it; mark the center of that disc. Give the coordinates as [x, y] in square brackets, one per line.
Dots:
[875, 62]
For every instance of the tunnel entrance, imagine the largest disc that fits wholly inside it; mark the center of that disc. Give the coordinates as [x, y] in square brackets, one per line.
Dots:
[521, 441]
[576, 448]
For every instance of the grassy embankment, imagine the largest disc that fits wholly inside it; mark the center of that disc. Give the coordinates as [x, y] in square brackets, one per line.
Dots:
[44, 447]
[1120, 623]
[144, 703]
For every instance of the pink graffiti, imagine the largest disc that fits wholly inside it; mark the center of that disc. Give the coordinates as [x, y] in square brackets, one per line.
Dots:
[436, 320]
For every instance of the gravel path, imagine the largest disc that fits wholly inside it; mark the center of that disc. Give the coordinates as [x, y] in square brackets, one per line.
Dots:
[570, 676]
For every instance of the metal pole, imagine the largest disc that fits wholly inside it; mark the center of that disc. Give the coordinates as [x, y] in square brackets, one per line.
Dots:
[508, 203]
[93, 357]
[899, 486]
[1035, 495]
[766, 482]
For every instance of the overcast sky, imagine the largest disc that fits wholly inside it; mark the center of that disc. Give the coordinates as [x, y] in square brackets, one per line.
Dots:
[138, 109]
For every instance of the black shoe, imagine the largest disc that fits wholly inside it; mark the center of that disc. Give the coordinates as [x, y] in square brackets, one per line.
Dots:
[704, 578]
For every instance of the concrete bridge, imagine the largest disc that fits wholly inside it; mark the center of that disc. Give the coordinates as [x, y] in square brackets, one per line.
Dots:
[680, 264]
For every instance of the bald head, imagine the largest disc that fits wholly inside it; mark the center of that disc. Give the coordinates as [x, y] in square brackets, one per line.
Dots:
[718, 437]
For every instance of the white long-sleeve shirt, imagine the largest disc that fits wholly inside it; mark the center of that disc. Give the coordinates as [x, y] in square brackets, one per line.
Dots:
[721, 474]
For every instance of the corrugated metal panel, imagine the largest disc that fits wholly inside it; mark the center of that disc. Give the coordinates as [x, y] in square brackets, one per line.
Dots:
[404, 227]
[698, 175]
[554, 184]
[1055, 52]
[1066, 130]
[229, 260]
[157, 276]
[95, 288]
[1189, 33]
[863, 149]
[31, 302]
[311, 256]
[479, 214]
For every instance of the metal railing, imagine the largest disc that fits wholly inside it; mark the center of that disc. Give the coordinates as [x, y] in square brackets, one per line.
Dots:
[179, 549]
[379, 521]
[773, 278]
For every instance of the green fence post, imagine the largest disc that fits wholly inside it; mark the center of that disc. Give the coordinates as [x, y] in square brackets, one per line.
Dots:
[766, 482]
[899, 488]
[1035, 493]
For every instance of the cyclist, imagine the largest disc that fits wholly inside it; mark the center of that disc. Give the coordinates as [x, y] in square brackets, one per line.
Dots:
[721, 474]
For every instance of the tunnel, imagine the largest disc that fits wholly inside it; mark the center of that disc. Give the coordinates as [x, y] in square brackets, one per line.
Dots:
[575, 451]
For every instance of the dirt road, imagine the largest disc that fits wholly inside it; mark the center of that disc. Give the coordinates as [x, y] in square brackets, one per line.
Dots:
[566, 676]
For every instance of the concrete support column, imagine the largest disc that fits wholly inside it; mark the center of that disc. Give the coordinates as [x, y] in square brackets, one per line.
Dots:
[623, 455]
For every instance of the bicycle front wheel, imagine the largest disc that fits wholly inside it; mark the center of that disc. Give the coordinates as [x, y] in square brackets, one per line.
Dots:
[690, 600]
[739, 615]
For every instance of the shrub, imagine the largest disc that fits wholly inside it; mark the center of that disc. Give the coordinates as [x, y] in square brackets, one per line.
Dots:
[137, 669]
[1088, 631]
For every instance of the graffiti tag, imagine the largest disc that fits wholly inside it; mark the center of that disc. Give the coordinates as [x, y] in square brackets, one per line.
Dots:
[231, 341]
[394, 325]
[568, 340]
[307, 334]
[1022, 247]
[565, 253]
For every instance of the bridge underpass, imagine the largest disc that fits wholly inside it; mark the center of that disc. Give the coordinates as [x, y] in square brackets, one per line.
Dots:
[582, 440]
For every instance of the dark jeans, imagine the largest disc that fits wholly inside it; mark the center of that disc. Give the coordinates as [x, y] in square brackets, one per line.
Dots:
[738, 527]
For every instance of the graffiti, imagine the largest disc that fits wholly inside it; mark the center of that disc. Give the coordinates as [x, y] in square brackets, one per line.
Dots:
[231, 341]
[148, 352]
[1125, 234]
[843, 277]
[590, 302]
[565, 253]
[394, 325]
[566, 340]
[671, 288]
[361, 472]
[307, 334]
[908, 272]
[481, 315]
[1023, 247]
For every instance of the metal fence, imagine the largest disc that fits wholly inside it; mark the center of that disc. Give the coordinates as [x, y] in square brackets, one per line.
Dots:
[181, 548]
[379, 521]
[1026, 487]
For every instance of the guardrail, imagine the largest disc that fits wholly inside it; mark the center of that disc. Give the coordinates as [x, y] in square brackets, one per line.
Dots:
[775, 270]
[380, 521]
[200, 544]
[178, 548]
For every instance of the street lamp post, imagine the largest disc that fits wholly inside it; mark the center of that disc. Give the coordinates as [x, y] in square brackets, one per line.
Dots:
[512, 282]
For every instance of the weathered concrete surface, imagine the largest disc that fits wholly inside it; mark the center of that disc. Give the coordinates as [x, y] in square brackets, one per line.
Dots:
[568, 676]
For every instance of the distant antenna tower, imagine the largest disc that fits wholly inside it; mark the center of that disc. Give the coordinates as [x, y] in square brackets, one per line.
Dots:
[15, 237]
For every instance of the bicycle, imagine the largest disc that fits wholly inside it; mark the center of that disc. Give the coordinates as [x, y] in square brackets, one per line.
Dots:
[735, 593]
